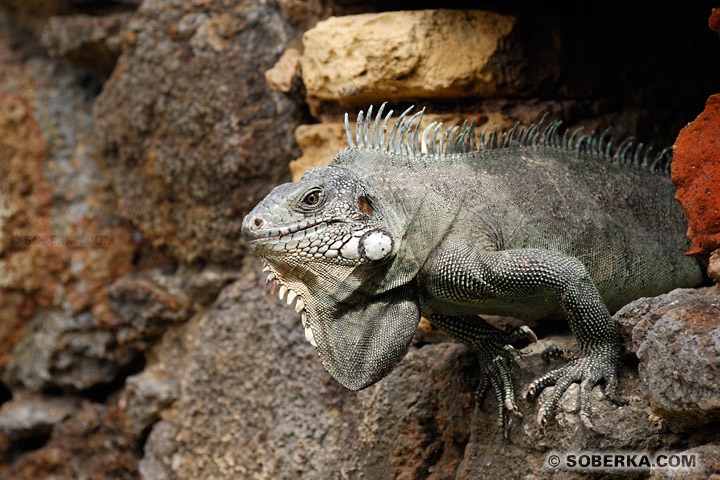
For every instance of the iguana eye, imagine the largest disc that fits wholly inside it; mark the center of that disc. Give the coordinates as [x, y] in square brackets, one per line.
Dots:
[312, 198]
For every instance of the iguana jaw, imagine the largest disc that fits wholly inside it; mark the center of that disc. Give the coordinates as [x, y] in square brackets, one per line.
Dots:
[296, 292]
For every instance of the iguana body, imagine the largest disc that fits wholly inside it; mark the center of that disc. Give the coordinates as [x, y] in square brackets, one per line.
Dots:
[526, 225]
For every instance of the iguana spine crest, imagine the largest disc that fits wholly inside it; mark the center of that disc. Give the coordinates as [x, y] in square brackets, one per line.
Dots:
[405, 139]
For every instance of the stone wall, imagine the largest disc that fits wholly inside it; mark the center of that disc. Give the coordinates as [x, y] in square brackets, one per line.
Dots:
[137, 339]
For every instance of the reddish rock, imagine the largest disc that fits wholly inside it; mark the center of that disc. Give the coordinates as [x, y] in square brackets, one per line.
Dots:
[714, 21]
[696, 173]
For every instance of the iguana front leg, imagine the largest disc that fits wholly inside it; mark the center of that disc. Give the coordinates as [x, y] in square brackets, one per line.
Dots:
[495, 352]
[512, 278]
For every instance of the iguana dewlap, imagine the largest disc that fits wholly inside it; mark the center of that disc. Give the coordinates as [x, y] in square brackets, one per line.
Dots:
[404, 224]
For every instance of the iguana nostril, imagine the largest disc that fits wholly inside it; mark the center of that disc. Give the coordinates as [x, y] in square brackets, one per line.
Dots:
[258, 222]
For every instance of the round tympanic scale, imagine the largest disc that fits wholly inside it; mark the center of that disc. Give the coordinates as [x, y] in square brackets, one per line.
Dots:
[376, 245]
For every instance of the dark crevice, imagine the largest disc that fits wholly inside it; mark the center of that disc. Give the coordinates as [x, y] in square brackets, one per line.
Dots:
[22, 446]
[99, 393]
[5, 393]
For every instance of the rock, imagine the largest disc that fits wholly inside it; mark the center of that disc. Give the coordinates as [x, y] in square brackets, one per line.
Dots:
[89, 42]
[285, 76]
[638, 316]
[87, 445]
[434, 53]
[696, 173]
[714, 266]
[74, 351]
[714, 20]
[145, 396]
[144, 306]
[679, 352]
[35, 416]
[159, 448]
[188, 163]
[319, 144]
[61, 245]
[307, 12]
[706, 466]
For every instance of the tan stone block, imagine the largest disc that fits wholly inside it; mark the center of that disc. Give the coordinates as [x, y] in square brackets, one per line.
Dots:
[283, 74]
[426, 53]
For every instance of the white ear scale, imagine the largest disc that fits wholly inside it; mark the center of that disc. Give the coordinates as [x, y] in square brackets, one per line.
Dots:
[376, 245]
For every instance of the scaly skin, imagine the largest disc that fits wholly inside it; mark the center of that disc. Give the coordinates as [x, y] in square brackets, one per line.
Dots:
[527, 224]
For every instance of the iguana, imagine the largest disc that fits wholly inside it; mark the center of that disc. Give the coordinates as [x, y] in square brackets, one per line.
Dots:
[522, 224]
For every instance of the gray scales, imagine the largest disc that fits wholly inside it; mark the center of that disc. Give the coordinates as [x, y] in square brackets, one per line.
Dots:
[526, 224]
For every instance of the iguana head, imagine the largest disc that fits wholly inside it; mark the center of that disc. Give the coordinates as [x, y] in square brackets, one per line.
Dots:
[330, 246]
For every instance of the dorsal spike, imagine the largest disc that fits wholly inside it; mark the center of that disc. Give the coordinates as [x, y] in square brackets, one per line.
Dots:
[564, 141]
[416, 130]
[383, 131]
[348, 132]
[668, 156]
[424, 145]
[511, 134]
[625, 154]
[433, 147]
[458, 144]
[636, 156]
[393, 146]
[556, 135]
[406, 133]
[448, 145]
[495, 137]
[358, 129]
[571, 142]
[591, 141]
[547, 134]
[579, 143]
[376, 126]
[530, 135]
[604, 134]
[482, 138]
[622, 148]
[537, 130]
[473, 125]
[662, 160]
[646, 157]
[608, 147]
[503, 138]
[410, 129]
[520, 136]
[366, 128]
[441, 150]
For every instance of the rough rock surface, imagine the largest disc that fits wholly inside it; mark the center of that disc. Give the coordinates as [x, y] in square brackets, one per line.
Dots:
[190, 132]
[87, 445]
[679, 352]
[285, 76]
[88, 42]
[714, 266]
[35, 416]
[437, 53]
[61, 246]
[696, 173]
[708, 465]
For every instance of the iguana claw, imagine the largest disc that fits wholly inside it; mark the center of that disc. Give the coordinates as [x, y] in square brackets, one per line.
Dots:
[589, 370]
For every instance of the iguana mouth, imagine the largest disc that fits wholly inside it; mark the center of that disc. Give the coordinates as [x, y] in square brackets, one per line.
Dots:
[273, 279]
[277, 233]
